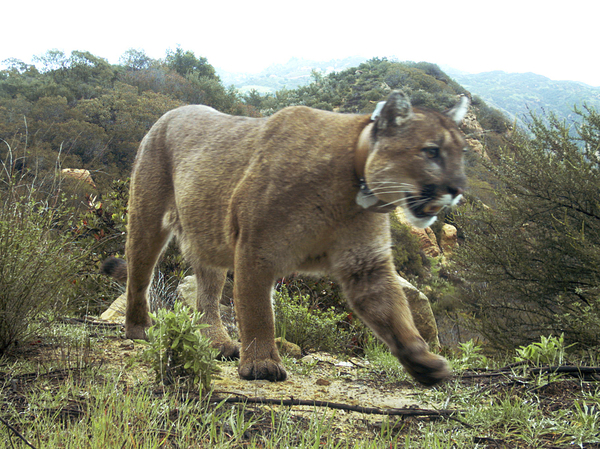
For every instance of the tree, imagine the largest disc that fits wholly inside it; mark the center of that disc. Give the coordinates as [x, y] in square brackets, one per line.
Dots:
[134, 60]
[186, 62]
[532, 263]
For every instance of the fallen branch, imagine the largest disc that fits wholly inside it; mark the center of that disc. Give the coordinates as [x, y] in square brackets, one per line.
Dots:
[334, 405]
[588, 373]
[16, 432]
[90, 322]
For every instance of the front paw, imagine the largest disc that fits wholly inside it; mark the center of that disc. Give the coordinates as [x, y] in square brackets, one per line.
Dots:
[427, 368]
[262, 369]
[137, 332]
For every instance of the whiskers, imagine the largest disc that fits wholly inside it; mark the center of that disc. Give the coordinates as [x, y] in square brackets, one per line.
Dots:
[405, 191]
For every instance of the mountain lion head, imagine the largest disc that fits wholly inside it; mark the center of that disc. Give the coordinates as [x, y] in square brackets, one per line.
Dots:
[413, 158]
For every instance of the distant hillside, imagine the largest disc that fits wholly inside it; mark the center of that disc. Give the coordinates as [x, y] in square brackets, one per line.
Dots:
[294, 73]
[516, 94]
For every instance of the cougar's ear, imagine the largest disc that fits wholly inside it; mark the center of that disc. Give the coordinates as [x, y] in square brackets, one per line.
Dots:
[459, 110]
[394, 111]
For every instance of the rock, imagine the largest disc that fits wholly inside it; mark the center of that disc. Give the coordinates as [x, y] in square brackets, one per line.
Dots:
[422, 313]
[288, 348]
[427, 239]
[116, 311]
[429, 243]
[448, 239]
[473, 129]
[79, 174]
[187, 291]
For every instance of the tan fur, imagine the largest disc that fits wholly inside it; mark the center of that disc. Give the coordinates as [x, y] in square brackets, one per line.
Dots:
[269, 196]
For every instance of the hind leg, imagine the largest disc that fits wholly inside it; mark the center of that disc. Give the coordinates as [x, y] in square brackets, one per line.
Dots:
[146, 239]
[210, 283]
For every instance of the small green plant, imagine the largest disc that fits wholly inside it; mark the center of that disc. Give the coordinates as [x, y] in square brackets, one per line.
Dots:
[177, 348]
[582, 424]
[548, 351]
[470, 356]
[309, 327]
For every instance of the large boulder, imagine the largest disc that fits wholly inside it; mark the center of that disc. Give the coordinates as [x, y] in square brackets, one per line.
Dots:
[116, 311]
[427, 240]
[422, 313]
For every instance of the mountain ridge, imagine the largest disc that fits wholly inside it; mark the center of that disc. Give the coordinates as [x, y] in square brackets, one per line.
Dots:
[517, 95]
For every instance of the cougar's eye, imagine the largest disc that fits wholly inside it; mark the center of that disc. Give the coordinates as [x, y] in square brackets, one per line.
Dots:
[432, 152]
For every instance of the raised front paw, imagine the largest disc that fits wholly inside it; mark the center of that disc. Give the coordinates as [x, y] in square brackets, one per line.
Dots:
[262, 369]
[427, 368]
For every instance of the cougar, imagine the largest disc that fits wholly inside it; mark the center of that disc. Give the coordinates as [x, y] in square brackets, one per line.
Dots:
[302, 190]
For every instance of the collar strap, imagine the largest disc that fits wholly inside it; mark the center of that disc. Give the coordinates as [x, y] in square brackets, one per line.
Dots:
[361, 153]
[365, 198]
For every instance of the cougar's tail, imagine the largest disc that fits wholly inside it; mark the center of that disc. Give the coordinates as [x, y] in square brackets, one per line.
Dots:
[115, 268]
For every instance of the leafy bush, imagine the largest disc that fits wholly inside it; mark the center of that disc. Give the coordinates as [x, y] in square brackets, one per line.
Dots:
[532, 261]
[307, 326]
[470, 356]
[177, 348]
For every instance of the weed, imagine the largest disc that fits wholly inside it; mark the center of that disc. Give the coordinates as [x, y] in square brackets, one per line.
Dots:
[177, 348]
[39, 262]
[383, 362]
[548, 351]
[470, 356]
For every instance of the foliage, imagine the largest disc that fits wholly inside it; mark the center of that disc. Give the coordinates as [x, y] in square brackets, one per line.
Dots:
[299, 322]
[177, 348]
[55, 403]
[382, 362]
[95, 114]
[548, 351]
[39, 258]
[470, 356]
[532, 262]
[409, 260]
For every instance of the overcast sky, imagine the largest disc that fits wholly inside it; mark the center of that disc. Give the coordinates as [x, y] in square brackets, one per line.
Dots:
[556, 39]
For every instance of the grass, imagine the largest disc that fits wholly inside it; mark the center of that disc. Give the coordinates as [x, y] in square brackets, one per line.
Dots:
[72, 392]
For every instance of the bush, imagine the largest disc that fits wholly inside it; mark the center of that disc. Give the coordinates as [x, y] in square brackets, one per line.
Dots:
[39, 260]
[177, 348]
[532, 262]
[307, 326]
[406, 250]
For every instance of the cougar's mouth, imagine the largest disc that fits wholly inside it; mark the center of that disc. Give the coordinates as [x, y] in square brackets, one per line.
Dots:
[425, 205]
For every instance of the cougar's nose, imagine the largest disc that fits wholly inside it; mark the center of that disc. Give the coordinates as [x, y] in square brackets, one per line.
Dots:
[455, 191]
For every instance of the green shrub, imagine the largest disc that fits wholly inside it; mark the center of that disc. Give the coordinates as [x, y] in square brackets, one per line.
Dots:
[406, 249]
[548, 351]
[531, 260]
[39, 261]
[307, 326]
[177, 348]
